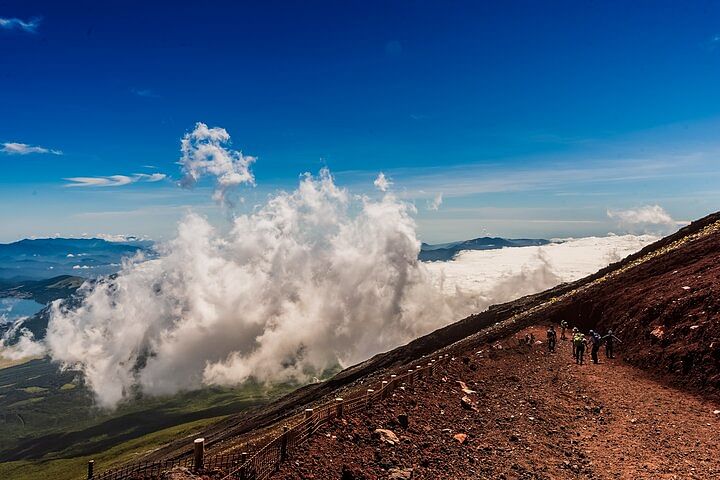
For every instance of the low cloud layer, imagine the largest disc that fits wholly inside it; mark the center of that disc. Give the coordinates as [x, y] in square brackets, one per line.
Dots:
[494, 276]
[23, 344]
[14, 148]
[114, 180]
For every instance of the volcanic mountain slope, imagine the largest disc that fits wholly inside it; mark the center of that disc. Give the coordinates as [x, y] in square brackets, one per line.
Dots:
[642, 297]
[519, 413]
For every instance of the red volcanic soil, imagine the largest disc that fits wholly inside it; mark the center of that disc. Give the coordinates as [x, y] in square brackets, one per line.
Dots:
[534, 416]
[666, 310]
[647, 414]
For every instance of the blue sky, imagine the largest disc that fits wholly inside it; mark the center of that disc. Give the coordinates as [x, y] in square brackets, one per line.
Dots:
[529, 118]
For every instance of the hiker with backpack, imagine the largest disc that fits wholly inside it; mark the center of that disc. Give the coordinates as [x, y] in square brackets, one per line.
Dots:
[551, 339]
[579, 343]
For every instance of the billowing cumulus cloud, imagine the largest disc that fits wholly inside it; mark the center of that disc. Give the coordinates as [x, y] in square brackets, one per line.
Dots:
[645, 219]
[382, 183]
[206, 152]
[313, 278]
[14, 148]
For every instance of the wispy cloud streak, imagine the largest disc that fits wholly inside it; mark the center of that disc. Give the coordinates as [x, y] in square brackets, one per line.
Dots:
[14, 148]
[114, 180]
[29, 26]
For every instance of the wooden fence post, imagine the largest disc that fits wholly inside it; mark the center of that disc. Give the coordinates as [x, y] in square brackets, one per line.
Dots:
[411, 374]
[368, 397]
[310, 423]
[243, 466]
[91, 469]
[199, 454]
[339, 407]
[284, 444]
[384, 389]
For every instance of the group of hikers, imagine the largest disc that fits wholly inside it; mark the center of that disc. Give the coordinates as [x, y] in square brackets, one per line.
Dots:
[580, 342]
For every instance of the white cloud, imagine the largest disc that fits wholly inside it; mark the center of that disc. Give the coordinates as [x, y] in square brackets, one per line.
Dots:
[495, 276]
[154, 177]
[382, 183]
[29, 26]
[645, 219]
[14, 148]
[435, 203]
[114, 180]
[205, 152]
[305, 281]
[119, 238]
[23, 345]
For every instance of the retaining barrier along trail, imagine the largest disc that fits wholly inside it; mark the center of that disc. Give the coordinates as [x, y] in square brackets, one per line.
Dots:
[259, 465]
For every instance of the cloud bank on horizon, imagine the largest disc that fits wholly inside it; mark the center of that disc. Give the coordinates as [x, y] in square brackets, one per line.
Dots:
[312, 278]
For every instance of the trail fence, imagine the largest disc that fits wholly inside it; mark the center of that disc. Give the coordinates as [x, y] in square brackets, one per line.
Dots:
[263, 462]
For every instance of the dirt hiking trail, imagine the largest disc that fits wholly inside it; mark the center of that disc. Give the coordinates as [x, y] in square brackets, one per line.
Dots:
[527, 415]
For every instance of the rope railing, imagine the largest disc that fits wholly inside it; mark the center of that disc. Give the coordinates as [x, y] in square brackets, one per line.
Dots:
[260, 464]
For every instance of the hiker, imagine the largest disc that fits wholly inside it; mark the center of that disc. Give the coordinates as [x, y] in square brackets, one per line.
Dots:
[596, 341]
[609, 339]
[563, 327]
[551, 339]
[575, 332]
[579, 347]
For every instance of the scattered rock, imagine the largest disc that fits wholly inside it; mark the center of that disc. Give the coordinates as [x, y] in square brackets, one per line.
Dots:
[400, 473]
[464, 387]
[658, 332]
[468, 404]
[460, 437]
[386, 435]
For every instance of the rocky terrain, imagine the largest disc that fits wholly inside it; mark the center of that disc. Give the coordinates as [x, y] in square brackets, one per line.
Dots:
[535, 415]
[521, 413]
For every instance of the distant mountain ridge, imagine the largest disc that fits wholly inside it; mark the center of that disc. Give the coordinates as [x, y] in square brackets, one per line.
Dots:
[442, 252]
[35, 259]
